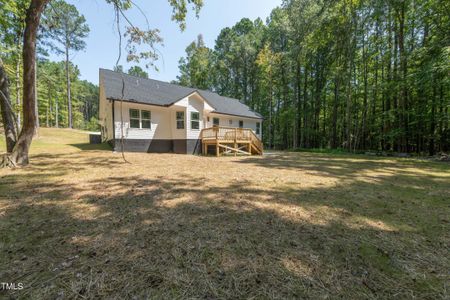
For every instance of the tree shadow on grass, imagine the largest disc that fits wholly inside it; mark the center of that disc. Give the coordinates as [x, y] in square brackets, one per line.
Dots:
[182, 237]
[92, 147]
[342, 166]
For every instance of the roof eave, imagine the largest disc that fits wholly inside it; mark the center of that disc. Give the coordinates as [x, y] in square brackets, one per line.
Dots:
[138, 102]
[235, 115]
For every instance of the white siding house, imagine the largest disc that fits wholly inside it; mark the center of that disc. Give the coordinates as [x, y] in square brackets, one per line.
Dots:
[154, 116]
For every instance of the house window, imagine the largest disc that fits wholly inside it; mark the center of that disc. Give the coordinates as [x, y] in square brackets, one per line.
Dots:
[258, 128]
[146, 122]
[216, 121]
[230, 122]
[140, 119]
[195, 120]
[134, 118]
[180, 119]
[241, 124]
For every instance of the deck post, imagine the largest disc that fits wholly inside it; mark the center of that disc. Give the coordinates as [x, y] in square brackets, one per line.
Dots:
[228, 139]
[217, 141]
[235, 144]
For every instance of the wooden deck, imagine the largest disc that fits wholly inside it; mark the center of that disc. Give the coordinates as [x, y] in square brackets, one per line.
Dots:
[229, 140]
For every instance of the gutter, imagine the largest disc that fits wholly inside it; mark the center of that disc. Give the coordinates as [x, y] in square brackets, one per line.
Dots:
[114, 127]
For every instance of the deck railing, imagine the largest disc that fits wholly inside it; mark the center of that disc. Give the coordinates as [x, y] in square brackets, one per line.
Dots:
[230, 134]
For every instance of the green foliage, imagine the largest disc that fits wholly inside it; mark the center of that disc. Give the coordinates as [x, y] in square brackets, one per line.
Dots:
[137, 71]
[53, 110]
[196, 68]
[63, 24]
[352, 75]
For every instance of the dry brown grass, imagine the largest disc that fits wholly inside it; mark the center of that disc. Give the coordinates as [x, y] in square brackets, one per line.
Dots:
[80, 223]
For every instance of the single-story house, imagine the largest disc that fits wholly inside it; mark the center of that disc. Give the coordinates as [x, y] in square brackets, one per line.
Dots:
[156, 116]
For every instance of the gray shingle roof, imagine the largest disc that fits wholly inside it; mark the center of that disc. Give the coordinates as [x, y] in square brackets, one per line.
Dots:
[149, 91]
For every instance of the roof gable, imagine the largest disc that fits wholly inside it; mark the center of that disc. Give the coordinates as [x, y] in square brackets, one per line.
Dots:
[154, 92]
[196, 93]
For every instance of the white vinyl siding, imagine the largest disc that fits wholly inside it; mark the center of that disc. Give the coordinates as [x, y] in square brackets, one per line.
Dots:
[163, 121]
[158, 119]
[233, 121]
[195, 105]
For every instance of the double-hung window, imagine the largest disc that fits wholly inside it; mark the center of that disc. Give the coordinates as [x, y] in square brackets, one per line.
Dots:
[195, 120]
[258, 128]
[146, 117]
[180, 119]
[134, 118]
[216, 121]
[140, 119]
[241, 124]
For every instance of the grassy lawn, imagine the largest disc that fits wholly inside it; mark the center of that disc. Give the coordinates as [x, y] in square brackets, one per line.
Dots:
[81, 223]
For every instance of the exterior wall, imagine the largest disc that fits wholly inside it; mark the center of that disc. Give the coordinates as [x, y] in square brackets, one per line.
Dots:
[194, 104]
[177, 134]
[224, 120]
[160, 122]
[163, 136]
[105, 114]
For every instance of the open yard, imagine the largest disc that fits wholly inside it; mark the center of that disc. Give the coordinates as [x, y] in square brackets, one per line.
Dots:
[81, 223]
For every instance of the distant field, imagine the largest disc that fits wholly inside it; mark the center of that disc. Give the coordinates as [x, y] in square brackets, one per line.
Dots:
[81, 223]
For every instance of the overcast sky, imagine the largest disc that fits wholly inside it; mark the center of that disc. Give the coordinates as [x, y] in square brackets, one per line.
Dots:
[102, 43]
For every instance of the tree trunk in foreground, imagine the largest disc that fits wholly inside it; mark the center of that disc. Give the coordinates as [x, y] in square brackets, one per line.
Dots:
[20, 152]
[7, 112]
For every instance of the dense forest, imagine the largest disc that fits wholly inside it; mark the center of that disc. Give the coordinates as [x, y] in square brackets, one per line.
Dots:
[63, 99]
[354, 75]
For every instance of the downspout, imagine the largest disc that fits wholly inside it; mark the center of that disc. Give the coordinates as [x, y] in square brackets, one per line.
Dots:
[113, 127]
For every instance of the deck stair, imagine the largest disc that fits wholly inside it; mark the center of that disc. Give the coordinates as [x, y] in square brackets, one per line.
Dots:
[230, 140]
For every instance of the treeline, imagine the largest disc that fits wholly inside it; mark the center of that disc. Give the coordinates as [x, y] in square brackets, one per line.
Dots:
[63, 99]
[356, 75]
[52, 97]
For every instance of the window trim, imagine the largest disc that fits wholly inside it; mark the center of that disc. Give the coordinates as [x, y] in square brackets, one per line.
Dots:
[195, 120]
[183, 119]
[134, 118]
[149, 119]
[140, 118]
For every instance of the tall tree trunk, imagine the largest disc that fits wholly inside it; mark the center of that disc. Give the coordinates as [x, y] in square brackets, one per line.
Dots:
[431, 144]
[22, 147]
[304, 140]
[36, 106]
[404, 70]
[19, 119]
[69, 96]
[56, 113]
[298, 116]
[7, 111]
[47, 113]
[335, 114]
